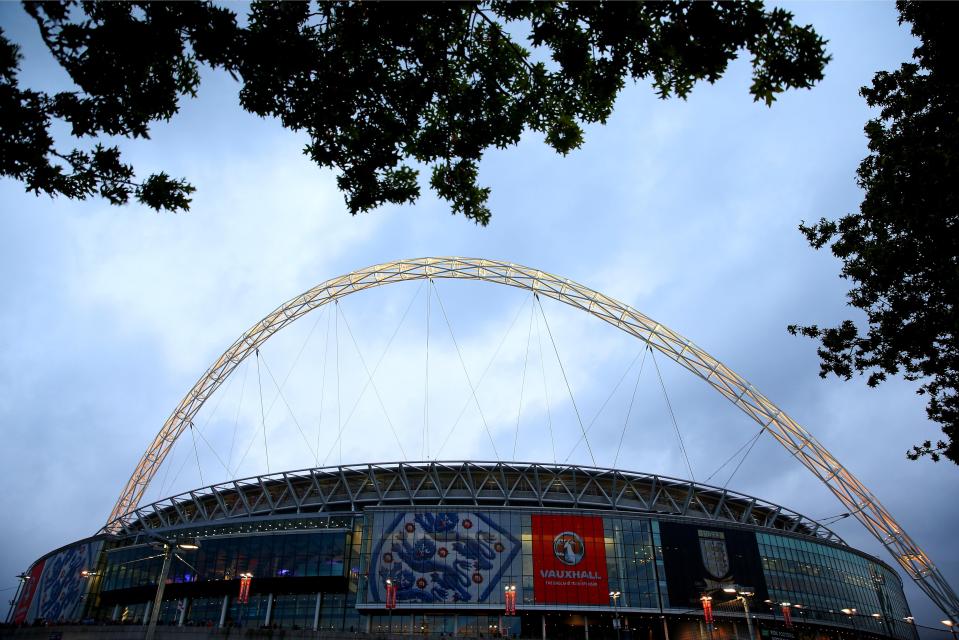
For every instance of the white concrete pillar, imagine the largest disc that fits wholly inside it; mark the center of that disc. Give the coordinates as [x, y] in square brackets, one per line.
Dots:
[316, 612]
[147, 612]
[269, 609]
[226, 604]
[586, 624]
[116, 613]
[665, 628]
[543, 619]
[183, 605]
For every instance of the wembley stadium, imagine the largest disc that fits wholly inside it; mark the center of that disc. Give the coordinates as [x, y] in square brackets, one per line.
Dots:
[479, 548]
[457, 540]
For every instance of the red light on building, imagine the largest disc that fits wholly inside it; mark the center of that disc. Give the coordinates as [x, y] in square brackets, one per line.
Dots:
[510, 595]
[390, 595]
[787, 615]
[707, 609]
[245, 581]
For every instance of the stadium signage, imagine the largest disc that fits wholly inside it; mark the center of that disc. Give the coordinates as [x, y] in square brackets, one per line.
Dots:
[588, 575]
[569, 559]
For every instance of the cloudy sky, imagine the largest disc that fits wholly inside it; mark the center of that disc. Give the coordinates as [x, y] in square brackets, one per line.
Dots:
[686, 211]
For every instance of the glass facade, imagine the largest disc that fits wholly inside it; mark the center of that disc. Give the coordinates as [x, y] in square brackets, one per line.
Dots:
[453, 568]
[825, 580]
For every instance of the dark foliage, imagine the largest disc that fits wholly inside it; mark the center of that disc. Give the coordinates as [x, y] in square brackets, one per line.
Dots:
[901, 250]
[379, 88]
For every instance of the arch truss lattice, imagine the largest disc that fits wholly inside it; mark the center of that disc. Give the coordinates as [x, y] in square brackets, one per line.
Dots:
[801, 444]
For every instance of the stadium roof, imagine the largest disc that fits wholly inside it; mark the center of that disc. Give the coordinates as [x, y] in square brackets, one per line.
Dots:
[352, 488]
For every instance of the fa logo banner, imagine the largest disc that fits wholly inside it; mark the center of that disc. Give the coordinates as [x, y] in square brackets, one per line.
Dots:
[568, 547]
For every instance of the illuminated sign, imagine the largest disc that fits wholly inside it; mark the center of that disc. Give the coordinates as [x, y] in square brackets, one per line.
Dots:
[569, 560]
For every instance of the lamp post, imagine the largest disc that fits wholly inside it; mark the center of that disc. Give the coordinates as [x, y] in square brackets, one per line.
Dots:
[952, 627]
[510, 598]
[616, 624]
[169, 550]
[23, 578]
[707, 601]
[743, 594]
[390, 603]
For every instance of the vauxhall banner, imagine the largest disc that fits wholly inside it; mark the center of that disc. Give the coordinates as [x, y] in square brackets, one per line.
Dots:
[569, 560]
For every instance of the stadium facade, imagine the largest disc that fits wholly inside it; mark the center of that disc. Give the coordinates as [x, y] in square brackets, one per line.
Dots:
[475, 549]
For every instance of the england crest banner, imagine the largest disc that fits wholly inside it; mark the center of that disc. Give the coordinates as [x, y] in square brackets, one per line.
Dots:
[443, 558]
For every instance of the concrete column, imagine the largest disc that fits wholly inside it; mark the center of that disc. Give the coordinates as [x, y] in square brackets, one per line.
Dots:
[543, 618]
[183, 604]
[226, 604]
[116, 613]
[456, 624]
[316, 612]
[665, 628]
[586, 624]
[269, 609]
[147, 612]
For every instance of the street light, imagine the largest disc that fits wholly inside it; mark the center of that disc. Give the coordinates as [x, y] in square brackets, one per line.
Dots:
[743, 594]
[952, 627]
[616, 624]
[390, 603]
[169, 550]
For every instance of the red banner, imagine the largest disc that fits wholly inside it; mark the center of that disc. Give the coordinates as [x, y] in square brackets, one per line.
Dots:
[390, 595]
[244, 596]
[787, 615]
[510, 594]
[707, 609]
[26, 594]
[569, 560]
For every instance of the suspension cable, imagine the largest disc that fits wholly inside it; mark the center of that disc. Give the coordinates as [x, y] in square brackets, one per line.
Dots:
[522, 386]
[210, 446]
[197, 454]
[290, 410]
[479, 383]
[465, 372]
[376, 391]
[743, 459]
[609, 397]
[426, 383]
[735, 453]
[549, 411]
[259, 383]
[672, 415]
[326, 359]
[629, 411]
[168, 463]
[236, 416]
[376, 368]
[566, 380]
[339, 410]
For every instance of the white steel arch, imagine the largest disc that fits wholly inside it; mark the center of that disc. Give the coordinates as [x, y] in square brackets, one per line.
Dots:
[798, 441]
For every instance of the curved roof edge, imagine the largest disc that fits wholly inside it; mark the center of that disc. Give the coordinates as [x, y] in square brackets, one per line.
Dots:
[353, 487]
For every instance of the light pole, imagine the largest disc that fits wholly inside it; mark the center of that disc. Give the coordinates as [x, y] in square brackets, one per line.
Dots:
[169, 550]
[390, 603]
[510, 597]
[743, 594]
[23, 577]
[707, 601]
[616, 624]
